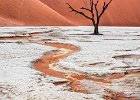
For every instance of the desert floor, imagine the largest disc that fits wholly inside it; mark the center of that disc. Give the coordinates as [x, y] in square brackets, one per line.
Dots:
[67, 63]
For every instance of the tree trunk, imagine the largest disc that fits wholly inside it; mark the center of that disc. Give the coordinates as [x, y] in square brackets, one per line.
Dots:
[96, 30]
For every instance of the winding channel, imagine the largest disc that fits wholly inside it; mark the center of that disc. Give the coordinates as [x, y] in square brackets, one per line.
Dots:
[45, 65]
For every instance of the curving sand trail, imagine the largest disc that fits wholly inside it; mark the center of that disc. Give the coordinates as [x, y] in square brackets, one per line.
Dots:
[46, 64]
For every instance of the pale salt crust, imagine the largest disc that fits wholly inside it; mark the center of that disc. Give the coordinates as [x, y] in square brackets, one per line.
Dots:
[96, 56]
[20, 81]
[99, 49]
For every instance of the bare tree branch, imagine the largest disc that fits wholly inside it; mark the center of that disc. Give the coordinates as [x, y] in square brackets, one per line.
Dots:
[92, 11]
[86, 9]
[78, 12]
[96, 9]
[105, 6]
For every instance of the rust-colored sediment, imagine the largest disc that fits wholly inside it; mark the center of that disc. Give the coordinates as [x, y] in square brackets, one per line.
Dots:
[45, 65]
[119, 75]
[15, 37]
[117, 96]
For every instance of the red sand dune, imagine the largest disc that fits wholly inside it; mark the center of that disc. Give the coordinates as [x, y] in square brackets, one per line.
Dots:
[6, 22]
[31, 12]
[56, 12]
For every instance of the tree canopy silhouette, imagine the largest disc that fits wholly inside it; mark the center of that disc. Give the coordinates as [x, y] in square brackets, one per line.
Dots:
[94, 11]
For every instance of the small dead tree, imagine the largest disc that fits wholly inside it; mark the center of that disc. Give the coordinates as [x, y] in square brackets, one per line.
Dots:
[94, 11]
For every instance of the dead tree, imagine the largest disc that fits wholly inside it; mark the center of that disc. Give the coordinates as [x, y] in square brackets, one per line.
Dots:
[94, 11]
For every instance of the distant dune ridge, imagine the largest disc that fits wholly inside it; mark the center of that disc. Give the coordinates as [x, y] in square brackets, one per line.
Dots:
[56, 12]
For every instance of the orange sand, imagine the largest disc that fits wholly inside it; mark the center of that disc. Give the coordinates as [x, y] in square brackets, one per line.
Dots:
[56, 12]
[15, 37]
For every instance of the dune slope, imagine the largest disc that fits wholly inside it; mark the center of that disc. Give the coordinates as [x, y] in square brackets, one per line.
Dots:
[31, 12]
